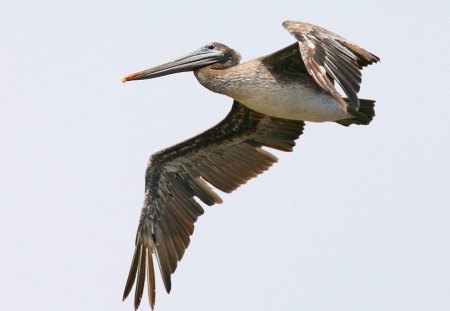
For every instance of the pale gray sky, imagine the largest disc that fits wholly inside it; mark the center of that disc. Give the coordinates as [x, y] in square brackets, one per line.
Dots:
[355, 219]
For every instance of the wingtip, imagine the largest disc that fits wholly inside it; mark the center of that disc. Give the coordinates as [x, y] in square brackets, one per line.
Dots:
[168, 285]
[286, 24]
[151, 280]
[291, 25]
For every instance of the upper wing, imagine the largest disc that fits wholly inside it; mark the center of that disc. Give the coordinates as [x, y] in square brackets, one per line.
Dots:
[327, 54]
[226, 156]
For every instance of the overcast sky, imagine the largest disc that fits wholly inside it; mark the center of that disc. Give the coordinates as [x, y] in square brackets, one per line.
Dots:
[354, 219]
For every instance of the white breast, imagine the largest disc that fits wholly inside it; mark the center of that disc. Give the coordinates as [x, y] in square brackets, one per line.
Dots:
[292, 102]
[254, 86]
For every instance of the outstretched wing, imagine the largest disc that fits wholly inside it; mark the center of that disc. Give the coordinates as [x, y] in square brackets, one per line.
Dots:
[226, 156]
[326, 55]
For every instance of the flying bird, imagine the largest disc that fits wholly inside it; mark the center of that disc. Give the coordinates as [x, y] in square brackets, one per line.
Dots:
[272, 97]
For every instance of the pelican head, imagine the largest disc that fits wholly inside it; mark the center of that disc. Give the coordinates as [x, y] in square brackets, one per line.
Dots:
[214, 55]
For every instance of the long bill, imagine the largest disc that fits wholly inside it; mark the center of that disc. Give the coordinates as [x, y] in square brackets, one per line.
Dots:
[189, 62]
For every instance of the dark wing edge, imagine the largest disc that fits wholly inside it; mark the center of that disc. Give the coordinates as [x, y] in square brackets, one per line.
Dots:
[225, 156]
[328, 56]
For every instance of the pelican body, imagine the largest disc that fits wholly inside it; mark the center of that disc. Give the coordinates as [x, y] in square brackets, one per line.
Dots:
[273, 90]
[273, 96]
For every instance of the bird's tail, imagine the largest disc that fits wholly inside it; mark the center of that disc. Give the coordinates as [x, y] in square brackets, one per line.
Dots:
[363, 116]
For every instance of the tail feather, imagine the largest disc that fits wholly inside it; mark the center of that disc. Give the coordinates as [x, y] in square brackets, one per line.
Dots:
[363, 116]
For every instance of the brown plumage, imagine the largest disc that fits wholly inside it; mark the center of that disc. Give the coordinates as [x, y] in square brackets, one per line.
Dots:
[226, 156]
[273, 96]
[328, 56]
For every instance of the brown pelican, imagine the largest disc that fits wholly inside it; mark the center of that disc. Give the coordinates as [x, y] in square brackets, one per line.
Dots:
[273, 96]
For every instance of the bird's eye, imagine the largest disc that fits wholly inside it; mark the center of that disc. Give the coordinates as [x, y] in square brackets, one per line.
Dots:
[211, 47]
